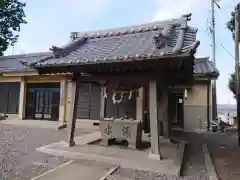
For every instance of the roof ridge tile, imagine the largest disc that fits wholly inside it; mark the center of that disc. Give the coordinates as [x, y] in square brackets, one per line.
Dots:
[64, 50]
[27, 55]
[161, 39]
[157, 25]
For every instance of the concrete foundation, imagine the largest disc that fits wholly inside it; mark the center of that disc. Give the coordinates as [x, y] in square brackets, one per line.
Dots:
[126, 158]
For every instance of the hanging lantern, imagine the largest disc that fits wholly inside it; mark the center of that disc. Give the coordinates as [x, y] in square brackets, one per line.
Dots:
[185, 94]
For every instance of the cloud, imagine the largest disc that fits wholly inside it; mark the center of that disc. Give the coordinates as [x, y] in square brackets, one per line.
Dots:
[168, 9]
[83, 9]
[174, 8]
[53, 23]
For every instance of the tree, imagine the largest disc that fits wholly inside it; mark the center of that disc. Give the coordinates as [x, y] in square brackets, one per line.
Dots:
[231, 26]
[232, 84]
[231, 22]
[12, 15]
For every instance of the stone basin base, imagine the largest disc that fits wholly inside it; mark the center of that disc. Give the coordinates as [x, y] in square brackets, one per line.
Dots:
[127, 131]
[143, 146]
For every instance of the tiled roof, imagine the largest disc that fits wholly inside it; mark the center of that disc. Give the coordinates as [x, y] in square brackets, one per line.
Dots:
[20, 63]
[204, 67]
[146, 41]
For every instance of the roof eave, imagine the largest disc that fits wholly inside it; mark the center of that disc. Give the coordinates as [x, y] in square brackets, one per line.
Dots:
[212, 75]
[120, 60]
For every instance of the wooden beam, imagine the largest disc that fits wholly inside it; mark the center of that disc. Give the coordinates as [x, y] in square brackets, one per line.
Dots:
[19, 73]
[110, 77]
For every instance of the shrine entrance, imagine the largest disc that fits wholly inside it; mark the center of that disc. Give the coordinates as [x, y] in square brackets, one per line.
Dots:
[42, 101]
[176, 110]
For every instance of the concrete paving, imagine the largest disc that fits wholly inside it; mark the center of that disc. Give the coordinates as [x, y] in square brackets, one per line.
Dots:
[126, 158]
[85, 125]
[84, 170]
[194, 165]
[85, 139]
[79, 140]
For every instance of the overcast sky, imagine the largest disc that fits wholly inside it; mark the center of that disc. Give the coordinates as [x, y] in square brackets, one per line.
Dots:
[50, 23]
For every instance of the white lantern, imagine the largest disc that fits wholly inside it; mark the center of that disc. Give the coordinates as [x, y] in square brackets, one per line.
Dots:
[185, 93]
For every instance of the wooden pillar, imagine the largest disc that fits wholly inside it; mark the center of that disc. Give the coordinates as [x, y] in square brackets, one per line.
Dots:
[140, 104]
[163, 111]
[154, 123]
[72, 110]
[102, 105]
[22, 99]
[63, 101]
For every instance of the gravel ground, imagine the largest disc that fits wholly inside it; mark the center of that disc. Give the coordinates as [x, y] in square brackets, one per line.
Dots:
[226, 155]
[194, 168]
[18, 157]
[224, 151]
[129, 174]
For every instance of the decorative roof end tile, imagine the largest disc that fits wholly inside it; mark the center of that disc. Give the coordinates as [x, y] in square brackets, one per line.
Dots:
[187, 17]
[159, 41]
[57, 51]
[62, 51]
[74, 35]
[178, 48]
[194, 47]
[167, 31]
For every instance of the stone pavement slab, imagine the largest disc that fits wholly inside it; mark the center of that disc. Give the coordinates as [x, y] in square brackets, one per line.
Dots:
[79, 140]
[212, 174]
[224, 151]
[90, 137]
[126, 158]
[84, 170]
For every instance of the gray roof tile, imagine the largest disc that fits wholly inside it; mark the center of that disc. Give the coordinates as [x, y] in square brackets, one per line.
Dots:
[20, 63]
[151, 40]
[204, 67]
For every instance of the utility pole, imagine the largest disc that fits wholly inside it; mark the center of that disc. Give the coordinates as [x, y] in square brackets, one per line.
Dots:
[214, 96]
[236, 50]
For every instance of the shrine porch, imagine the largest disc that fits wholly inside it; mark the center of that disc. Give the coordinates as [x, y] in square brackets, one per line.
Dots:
[122, 62]
[157, 98]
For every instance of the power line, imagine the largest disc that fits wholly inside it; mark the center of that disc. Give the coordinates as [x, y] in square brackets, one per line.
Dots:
[222, 46]
[208, 29]
[227, 51]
